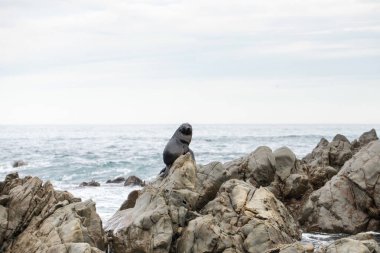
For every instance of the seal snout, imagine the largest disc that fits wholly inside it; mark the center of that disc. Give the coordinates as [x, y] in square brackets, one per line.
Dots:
[186, 129]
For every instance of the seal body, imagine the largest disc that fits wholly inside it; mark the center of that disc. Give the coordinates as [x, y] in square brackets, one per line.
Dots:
[178, 145]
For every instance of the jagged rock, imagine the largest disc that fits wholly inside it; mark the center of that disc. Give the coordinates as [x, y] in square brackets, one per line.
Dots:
[295, 186]
[169, 207]
[367, 137]
[91, 183]
[116, 180]
[349, 201]
[161, 209]
[19, 163]
[36, 218]
[133, 180]
[364, 139]
[241, 218]
[318, 176]
[333, 154]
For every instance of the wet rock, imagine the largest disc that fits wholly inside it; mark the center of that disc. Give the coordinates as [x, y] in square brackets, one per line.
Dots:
[19, 163]
[38, 218]
[133, 180]
[349, 202]
[116, 180]
[91, 183]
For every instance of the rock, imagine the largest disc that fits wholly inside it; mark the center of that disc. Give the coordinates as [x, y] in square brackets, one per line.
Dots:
[191, 202]
[318, 176]
[131, 200]
[258, 168]
[209, 179]
[241, 218]
[349, 202]
[333, 154]
[295, 186]
[133, 180]
[19, 163]
[37, 218]
[160, 211]
[367, 137]
[347, 245]
[296, 247]
[91, 183]
[285, 162]
[116, 180]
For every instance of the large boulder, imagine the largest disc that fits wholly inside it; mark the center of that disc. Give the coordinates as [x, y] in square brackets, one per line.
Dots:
[258, 168]
[37, 218]
[349, 201]
[241, 218]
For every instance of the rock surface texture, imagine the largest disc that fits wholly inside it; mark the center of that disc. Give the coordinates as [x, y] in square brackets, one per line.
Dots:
[350, 201]
[36, 218]
[203, 210]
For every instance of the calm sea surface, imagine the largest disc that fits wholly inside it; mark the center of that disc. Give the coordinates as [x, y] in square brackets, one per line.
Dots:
[69, 155]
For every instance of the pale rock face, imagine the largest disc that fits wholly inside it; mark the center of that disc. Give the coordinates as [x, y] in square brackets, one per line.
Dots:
[196, 210]
[349, 201]
[241, 218]
[36, 218]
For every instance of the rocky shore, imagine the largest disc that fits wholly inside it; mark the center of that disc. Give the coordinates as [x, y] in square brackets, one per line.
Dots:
[258, 203]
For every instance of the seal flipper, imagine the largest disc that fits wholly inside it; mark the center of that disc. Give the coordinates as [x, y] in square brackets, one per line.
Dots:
[164, 172]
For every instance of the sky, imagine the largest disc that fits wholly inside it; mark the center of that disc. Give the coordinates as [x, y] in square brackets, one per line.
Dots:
[173, 61]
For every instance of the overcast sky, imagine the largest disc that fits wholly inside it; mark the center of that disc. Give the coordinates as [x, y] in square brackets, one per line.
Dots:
[207, 61]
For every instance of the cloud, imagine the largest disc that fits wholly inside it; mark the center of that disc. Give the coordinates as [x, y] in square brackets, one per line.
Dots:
[116, 46]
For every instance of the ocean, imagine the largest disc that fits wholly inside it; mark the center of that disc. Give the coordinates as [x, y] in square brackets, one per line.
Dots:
[69, 155]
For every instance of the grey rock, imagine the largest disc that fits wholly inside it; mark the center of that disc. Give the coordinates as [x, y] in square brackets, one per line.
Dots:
[285, 162]
[91, 183]
[133, 180]
[349, 202]
[116, 180]
[295, 186]
[38, 218]
[19, 163]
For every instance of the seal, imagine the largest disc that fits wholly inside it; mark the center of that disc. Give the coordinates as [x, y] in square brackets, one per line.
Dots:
[178, 145]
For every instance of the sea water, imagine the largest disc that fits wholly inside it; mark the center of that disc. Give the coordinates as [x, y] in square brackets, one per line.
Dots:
[69, 155]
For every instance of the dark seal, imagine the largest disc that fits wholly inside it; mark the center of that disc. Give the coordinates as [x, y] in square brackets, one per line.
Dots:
[178, 145]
